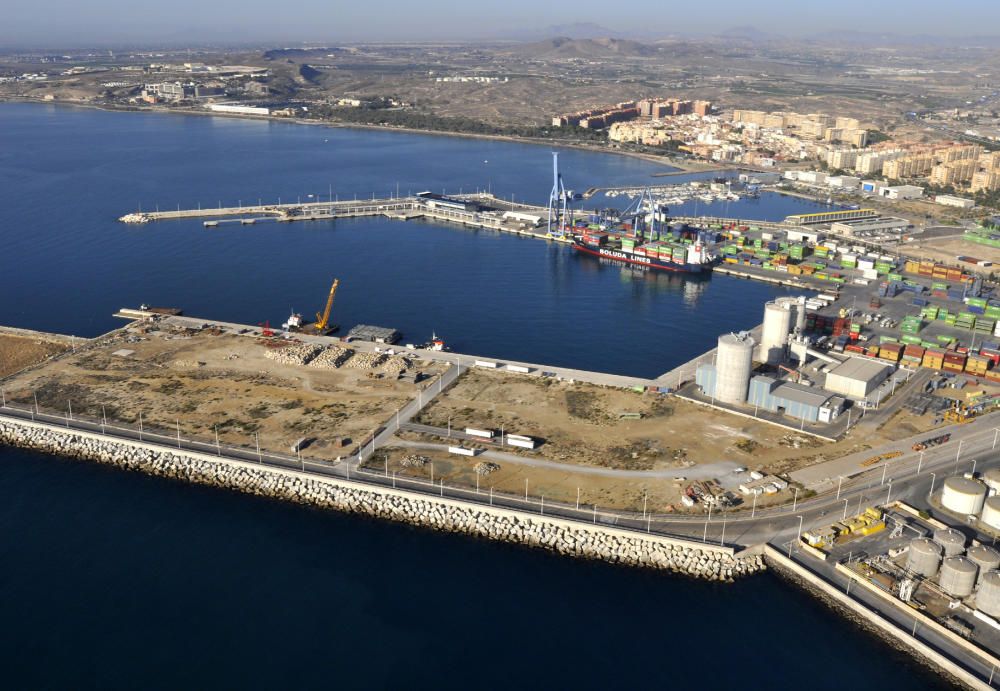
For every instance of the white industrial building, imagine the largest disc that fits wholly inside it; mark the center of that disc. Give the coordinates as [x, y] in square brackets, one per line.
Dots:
[856, 377]
[951, 200]
[868, 227]
[844, 181]
[902, 192]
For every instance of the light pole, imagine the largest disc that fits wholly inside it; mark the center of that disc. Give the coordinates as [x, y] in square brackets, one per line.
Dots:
[140, 425]
[888, 493]
[178, 434]
[920, 463]
[933, 477]
[958, 454]
[218, 448]
[996, 433]
[753, 510]
[885, 468]
[795, 498]
[260, 458]
[846, 501]
[840, 484]
[973, 466]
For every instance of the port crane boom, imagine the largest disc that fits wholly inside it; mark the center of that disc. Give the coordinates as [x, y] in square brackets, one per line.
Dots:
[323, 320]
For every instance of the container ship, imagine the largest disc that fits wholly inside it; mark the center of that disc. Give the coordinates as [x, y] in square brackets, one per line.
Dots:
[680, 249]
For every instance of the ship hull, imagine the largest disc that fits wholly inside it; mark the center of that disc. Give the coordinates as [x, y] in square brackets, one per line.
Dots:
[639, 260]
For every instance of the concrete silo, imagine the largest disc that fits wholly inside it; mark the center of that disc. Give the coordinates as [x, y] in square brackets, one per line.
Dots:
[733, 364]
[778, 318]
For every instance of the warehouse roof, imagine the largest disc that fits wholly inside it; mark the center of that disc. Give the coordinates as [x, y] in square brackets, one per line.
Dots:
[799, 393]
[859, 369]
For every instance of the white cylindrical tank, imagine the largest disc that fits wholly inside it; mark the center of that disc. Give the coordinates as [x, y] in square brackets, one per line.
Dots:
[924, 557]
[988, 597]
[992, 479]
[774, 333]
[991, 512]
[733, 365]
[963, 495]
[958, 576]
[986, 558]
[800, 314]
[952, 540]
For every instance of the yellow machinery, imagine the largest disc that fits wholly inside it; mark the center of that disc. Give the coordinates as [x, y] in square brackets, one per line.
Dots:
[323, 320]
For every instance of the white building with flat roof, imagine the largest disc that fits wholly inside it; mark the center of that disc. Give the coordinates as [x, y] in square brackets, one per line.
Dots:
[951, 200]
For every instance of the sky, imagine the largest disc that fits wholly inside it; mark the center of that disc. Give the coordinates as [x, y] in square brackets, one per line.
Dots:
[100, 22]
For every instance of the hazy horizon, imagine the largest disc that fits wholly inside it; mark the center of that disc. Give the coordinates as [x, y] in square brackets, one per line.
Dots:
[123, 22]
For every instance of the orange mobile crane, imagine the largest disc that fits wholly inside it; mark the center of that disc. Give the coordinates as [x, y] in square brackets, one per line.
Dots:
[322, 323]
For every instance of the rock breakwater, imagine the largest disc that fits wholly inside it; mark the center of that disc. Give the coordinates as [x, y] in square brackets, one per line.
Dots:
[552, 533]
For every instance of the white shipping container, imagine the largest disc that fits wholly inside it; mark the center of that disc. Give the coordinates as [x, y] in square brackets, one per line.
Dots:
[862, 281]
[866, 264]
[766, 236]
[519, 368]
[870, 274]
[522, 443]
[484, 363]
[849, 257]
[485, 433]
[462, 451]
[996, 329]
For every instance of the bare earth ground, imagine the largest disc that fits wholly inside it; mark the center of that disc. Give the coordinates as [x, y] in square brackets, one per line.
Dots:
[203, 382]
[946, 249]
[18, 352]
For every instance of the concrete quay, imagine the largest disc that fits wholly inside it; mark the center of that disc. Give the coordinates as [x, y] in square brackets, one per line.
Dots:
[553, 533]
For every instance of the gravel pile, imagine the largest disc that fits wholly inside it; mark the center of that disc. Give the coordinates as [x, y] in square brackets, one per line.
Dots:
[366, 360]
[332, 358]
[414, 461]
[395, 366]
[300, 354]
[484, 468]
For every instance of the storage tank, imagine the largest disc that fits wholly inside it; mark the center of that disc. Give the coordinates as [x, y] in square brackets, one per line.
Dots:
[958, 576]
[800, 314]
[986, 558]
[733, 365]
[991, 512]
[992, 479]
[988, 597]
[963, 495]
[924, 557]
[774, 333]
[951, 540]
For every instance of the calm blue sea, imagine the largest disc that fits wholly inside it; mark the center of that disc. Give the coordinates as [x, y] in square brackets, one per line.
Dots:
[115, 580]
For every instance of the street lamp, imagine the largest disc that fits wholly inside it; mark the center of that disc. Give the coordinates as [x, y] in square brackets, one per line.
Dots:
[933, 477]
[839, 485]
[973, 466]
[795, 498]
[846, 501]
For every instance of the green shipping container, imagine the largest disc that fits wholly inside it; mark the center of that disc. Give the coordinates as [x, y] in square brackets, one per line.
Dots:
[911, 340]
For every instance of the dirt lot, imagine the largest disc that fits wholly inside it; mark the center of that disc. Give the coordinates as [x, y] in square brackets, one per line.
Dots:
[581, 423]
[202, 382]
[18, 352]
[946, 249]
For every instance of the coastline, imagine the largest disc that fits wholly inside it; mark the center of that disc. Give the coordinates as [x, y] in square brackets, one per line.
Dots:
[680, 167]
[446, 514]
